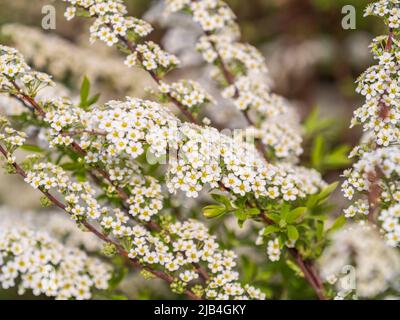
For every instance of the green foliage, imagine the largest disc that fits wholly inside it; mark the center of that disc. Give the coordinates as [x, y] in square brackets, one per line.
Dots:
[31, 148]
[320, 137]
[86, 101]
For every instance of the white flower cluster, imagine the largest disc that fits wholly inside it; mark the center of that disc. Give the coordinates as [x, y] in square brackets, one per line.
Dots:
[187, 92]
[374, 179]
[210, 14]
[13, 66]
[384, 165]
[151, 57]
[245, 77]
[56, 224]
[10, 137]
[35, 261]
[361, 246]
[110, 22]
[113, 26]
[47, 52]
[80, 196]
[179, 250]
[197, 155]
[391, 224]
[190, 243]
[281, 135]
[380, 85]
[119, 132]
[388, 9]
[274, 250]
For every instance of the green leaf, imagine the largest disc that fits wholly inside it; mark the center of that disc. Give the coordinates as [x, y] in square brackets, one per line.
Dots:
[326, 192]
[315, 123]
[317, 199]
[337, 158]
[317, 152]
[274, 217]
[338, 224]
[85, 88]
[116, 278]
[221, 199]
[252, 211]
[31, 148]
[270, 229]
[214, 211]
[71, 166]
[292, 233]
[295, 214]
[295, 268]
[93, 100]
[319, 230]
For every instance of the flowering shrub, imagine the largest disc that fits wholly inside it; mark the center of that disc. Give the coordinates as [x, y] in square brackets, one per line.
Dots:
[374, 179]
[114, 168]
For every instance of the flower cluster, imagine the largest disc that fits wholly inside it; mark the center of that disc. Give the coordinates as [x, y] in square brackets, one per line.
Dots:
[242, 71]
[11, 138]
[197, 155]
[391, 224]
[151, 57]
[274, 250]
[13, 66]
[380, 86]
[389, 9]
[187, 92]
[110, 23]
[114, 135]
[44, 265]
[282, 137]
[55, 223]
[377, 265]
[211, 15]
[47, 52]
[379, 168]
[190, 243]
[179, 249]
[375, 176]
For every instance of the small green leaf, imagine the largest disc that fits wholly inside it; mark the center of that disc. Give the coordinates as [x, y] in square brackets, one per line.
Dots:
[316, 199]
[320, 230]
[317, 152]
[118, 275]
[93, 100]
[31, 148]
[295, 268]
[71, 166]
[85, 87]
[295, 214]
[338, 224]
[274, 217]
[221, 199]
[214, 211]
[252, 211]
[325, 193]
[270, 229]
[292, 233]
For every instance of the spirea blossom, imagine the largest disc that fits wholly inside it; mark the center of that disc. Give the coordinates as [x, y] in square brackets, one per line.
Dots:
[197, 155]
[376, 265]
[33, 260]
[241, 70]
[374, 179]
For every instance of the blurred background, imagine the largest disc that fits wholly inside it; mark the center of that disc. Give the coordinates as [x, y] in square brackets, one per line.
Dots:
[313, 62]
